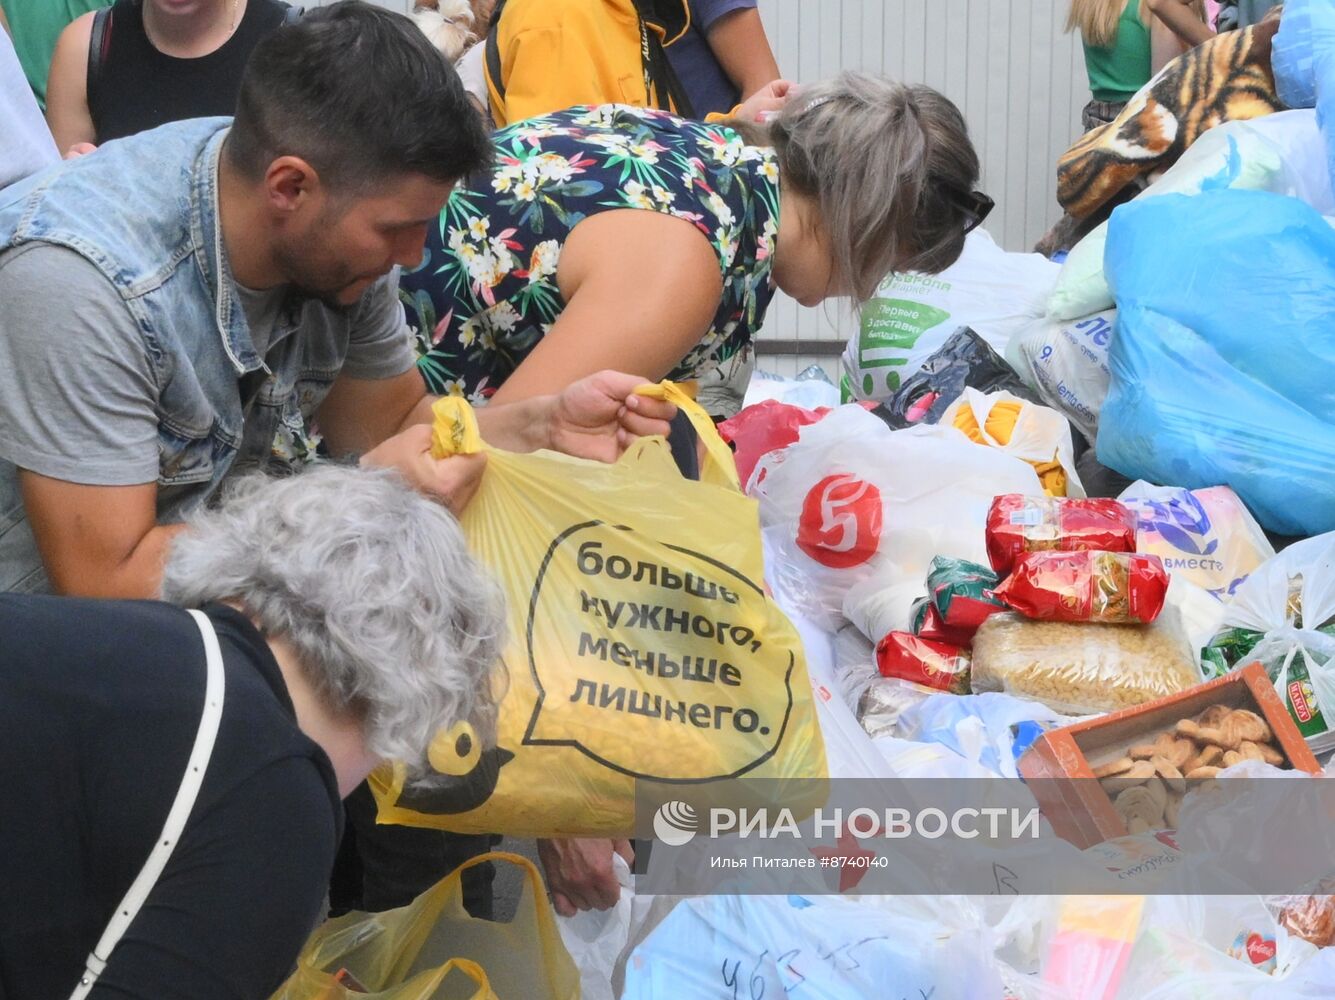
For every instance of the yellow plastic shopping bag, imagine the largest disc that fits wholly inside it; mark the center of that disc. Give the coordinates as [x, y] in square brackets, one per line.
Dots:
[432, 949]
[642, 645]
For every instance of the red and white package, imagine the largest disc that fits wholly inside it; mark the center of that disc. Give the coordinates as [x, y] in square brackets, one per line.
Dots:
[935, 665]
[1018, 524]
[1115, 588]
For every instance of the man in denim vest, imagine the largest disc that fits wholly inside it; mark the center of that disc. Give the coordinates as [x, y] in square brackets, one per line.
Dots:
[196, 300]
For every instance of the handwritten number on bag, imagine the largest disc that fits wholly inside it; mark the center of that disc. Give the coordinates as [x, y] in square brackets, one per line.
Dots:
[846, 950]
[757, 983]
[786, 970]
[731, 980]
[757, 980]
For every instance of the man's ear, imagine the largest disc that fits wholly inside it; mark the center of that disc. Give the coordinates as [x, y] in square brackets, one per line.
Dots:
[291, 183]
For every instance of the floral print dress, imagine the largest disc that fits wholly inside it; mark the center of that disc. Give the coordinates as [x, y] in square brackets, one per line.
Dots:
[485, 293]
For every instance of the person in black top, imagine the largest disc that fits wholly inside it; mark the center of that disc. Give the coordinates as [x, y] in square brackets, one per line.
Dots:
[354, 627]
[142, 63]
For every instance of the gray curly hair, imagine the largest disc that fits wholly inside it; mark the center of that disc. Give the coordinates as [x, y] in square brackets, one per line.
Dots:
[373, 586]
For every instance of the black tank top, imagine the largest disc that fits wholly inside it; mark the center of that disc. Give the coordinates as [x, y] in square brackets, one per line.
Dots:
[138, 88]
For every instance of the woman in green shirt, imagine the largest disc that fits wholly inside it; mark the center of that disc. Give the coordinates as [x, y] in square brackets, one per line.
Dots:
[34, 26]
[1128, 41]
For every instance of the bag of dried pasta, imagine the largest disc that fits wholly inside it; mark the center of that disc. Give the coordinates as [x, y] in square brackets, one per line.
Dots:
[1083, 668]
[1111, 587]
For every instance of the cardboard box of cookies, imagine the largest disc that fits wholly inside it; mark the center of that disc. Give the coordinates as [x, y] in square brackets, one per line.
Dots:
[1139, 763]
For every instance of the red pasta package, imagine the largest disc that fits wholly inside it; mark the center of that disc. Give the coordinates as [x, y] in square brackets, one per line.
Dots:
[935, 665]
[1018, 524]
[1115, 588]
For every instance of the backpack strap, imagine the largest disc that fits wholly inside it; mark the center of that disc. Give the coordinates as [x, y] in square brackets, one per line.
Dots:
[493, 51]
[98, 46]
[661, 82]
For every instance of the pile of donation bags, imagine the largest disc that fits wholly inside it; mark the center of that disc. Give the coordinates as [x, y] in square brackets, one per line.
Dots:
[934, 578]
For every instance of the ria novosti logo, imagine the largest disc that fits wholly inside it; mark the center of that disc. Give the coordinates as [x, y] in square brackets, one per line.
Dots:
[675, 823]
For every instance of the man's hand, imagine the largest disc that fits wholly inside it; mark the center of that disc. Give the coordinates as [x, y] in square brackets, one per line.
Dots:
[580, 874]
[766, 102]
[79, 149]
[453, 481]
[599, 416]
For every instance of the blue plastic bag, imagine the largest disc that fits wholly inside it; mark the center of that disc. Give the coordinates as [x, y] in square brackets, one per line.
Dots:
[1303, 60]
[1223, 351]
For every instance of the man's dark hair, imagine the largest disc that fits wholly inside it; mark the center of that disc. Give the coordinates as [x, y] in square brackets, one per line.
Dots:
[360, 94]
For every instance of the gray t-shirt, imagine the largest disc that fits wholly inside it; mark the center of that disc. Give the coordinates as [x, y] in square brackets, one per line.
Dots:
[77, 391]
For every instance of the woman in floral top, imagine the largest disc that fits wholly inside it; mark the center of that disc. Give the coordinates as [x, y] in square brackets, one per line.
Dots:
[625, 238]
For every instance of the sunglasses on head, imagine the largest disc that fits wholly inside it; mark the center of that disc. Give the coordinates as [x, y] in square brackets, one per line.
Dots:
[974, 204]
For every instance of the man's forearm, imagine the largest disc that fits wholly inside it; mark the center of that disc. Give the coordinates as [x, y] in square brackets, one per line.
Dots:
[138, 575]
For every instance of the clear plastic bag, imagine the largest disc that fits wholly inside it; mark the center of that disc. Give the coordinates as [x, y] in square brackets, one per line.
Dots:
[1283, 615]
[1084, 668]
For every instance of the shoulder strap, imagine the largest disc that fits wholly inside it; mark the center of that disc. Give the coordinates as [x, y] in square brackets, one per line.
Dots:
[493, 51]
[661, 83]
[196, 766]
[97, 50]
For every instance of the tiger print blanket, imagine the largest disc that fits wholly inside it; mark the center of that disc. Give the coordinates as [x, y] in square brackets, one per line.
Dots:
[1226, 79]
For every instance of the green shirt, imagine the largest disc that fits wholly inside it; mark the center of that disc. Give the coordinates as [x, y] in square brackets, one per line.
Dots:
[1117, 72]
[35, 26]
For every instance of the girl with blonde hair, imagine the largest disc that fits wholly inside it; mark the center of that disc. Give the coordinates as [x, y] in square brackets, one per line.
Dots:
[1128, 41]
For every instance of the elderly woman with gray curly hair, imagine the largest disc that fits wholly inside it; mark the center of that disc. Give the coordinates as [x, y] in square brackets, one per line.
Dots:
[175, 777]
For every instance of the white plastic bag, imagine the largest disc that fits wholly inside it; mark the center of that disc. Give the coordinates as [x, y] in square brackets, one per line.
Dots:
[993, 292]
[1288, 598]
[1039, 436]
[848, 749]
[1282, 153]
[1183, 952]
[1262, 602]
[817, 948]
[1066, 363]
[853, 502]
[595, 938]
[1207, 536]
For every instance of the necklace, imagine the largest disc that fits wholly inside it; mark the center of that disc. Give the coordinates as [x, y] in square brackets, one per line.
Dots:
[231, 25]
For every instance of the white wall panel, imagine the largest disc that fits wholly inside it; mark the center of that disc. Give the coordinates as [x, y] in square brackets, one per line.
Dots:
[1016, 76]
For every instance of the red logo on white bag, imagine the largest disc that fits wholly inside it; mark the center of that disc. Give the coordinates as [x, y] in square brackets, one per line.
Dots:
[841, 522]
[1260, 950]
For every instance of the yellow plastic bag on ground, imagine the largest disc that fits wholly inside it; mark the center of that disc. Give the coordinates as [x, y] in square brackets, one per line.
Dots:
[432, 949]
[642, 644]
